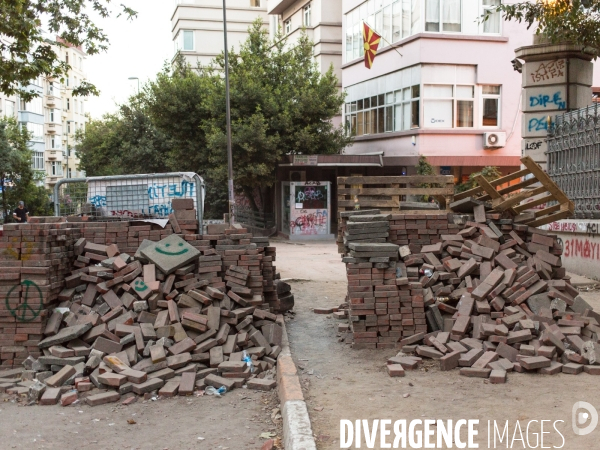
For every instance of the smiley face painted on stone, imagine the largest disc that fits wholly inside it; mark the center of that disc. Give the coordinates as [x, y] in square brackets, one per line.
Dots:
[171, 250]
[140, 286]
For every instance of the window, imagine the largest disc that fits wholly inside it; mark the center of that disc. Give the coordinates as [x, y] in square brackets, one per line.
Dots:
[56, 168]
[449, 106]
[37, 162]
[75, 110]
[9, 110]
[490, 96]
[68, 105]
[34, 106]
[81, 111]
[255, 3]
[54, 142]
[67, 82]
[383, 113]
[188, 40]
[69, 173]
[306, 16]
[67, 58]
[446, 12]
[287, 26]
[36, 130]
[492, 25]
[80, 63]
[393, 19]
[51, 114]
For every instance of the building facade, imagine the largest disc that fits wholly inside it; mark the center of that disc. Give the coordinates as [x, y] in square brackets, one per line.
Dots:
[442, 84]
[197, 27]
[53, 118]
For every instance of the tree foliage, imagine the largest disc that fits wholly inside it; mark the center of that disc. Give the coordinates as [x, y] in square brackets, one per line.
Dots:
[574, 21]
[490, 173]
[18, 181]
[25, 53]
[280, 104]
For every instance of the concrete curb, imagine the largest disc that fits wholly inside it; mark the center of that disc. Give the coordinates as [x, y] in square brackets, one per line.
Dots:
[297, 432]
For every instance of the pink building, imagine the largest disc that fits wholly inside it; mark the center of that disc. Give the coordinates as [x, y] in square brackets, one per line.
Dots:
[452, 96]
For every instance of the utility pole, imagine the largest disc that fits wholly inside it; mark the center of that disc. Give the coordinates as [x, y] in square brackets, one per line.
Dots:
[228, 114]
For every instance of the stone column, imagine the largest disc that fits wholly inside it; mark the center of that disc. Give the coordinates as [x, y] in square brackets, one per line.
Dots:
[556, 78]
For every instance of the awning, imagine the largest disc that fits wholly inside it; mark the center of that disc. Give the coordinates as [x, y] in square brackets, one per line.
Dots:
[478, 161]
[331, 160]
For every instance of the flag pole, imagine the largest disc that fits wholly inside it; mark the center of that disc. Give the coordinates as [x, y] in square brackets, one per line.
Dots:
[381, 35]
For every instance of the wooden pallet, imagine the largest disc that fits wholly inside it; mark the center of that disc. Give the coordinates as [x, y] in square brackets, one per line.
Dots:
[385, 193]
[514, 198]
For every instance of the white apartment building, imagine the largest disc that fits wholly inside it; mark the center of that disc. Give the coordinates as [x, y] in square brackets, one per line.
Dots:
[197, 27]
[53, 118]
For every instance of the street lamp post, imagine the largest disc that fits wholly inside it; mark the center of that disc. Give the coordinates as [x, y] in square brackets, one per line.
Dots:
[228, 115]
[138, 82]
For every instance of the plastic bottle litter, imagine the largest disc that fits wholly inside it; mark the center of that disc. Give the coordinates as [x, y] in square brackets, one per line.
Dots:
[248, 360]
[210, 390]
[427, 272]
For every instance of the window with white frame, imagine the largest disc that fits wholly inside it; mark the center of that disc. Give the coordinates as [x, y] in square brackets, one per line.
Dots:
[37, 161]
[287, 26]
[56, 168]
[492, 25]
[36, 130]
[75, 110]
[384, 113]
[255, 3]
[187, 40]
[68, 104]
[9, 108]
[490, 106]
[51, 114]
[51, 88]
[34, 106]
[392, 19]
[54, 142]
[306, 16]
[448, 105]
[443, 15]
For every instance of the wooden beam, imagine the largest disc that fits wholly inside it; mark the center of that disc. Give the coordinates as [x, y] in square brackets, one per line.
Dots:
[431, 179]
[537, 202]
[397, 191]
[545, 179]
[551, 218]
[497, 182]
[548, 210]
[487, 187]
[503, 205]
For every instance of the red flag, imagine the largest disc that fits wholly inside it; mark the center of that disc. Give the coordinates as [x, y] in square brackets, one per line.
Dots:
[371, 42]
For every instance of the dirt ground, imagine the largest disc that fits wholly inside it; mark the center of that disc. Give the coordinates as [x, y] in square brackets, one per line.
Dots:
[234, 421]
[341, 383]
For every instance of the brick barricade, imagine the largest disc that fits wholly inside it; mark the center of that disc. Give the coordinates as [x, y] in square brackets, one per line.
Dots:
[388, 304]
[35, 259]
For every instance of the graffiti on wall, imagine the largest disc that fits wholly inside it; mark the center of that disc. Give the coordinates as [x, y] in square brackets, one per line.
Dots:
[113, 198]
[29, 306]
[581, 248]
[307, 222]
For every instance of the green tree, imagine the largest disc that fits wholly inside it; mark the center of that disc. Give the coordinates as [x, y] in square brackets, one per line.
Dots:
[27, 54]
[574, 21]
[18, 181]
[280, 104]
[123, 143]
[490, 173]
[424, 168]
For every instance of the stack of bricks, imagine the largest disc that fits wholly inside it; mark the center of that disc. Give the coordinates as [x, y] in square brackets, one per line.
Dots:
[419, 229]
[184, 218]
[35, 258]
[42, 253]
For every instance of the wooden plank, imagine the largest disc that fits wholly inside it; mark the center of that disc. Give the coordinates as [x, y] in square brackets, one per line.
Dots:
[487, 187]
[392, 192]
[503, 205]
[537, 202]
[549, 219]
[497, 182]
[432, 179]
[548, 210]
[370, 204]
[545, 179]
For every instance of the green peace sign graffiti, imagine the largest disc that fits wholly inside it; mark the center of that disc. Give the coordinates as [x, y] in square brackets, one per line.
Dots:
[31, 305]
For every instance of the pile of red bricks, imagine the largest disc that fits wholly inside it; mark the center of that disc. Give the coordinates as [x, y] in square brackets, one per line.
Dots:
[493, 292]
[77, 276]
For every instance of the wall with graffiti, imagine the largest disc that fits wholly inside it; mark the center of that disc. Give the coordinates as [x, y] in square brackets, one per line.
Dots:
[139, 198]
[580, 240]
[309, 208]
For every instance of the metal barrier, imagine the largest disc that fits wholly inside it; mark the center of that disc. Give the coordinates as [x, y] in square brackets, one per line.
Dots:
[128, 197]
[573, 159]
[247, 216]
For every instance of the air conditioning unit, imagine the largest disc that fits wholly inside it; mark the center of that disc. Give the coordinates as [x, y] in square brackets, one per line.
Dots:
[298, 175]
[494, 139]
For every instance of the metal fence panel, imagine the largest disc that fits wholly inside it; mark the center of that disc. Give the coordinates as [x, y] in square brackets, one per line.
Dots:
[128, 197]
[573, 159]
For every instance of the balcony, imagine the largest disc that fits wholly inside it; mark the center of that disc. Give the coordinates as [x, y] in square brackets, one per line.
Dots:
[52, 128]
[279, 6]
[54, 155]
[51, 101]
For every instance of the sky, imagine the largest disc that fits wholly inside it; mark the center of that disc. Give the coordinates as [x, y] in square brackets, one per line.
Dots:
[137, 48]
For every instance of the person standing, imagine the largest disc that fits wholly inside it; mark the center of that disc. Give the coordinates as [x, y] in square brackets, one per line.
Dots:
[21, 213]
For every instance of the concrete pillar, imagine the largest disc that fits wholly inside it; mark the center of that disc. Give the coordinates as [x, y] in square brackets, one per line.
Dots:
[556, 78]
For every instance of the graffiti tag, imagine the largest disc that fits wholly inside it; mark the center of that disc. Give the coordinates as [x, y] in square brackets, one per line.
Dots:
[29, 306]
